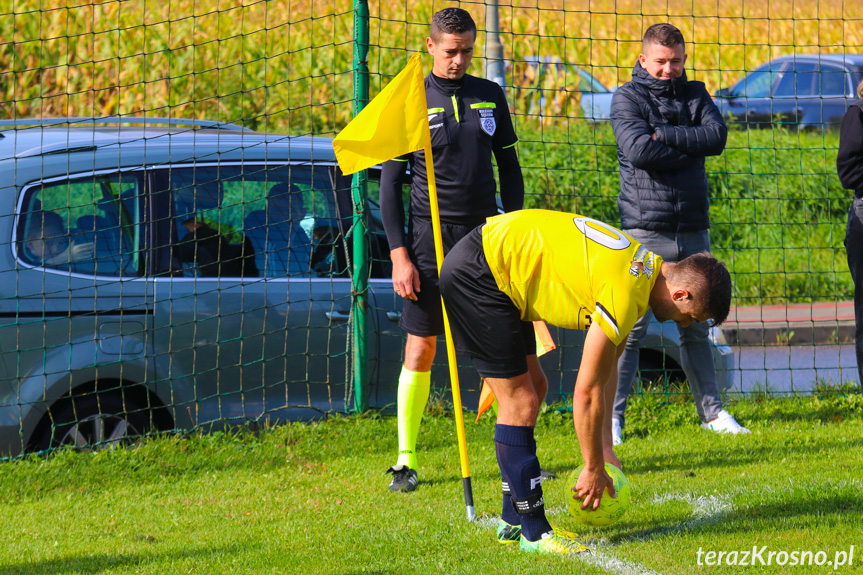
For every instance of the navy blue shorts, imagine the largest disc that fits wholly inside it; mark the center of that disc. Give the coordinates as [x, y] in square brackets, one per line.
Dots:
[485, 324]
[424, 317]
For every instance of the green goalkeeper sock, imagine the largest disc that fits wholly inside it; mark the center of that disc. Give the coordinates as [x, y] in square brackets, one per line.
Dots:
[413, 395]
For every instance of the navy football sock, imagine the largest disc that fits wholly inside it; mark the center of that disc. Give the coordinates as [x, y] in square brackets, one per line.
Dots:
[508, 513]
[516, 456]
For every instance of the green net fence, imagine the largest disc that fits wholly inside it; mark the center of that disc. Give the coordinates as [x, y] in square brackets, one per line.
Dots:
[177, 241]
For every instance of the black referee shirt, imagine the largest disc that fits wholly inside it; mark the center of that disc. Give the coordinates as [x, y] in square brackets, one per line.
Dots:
[469, 121]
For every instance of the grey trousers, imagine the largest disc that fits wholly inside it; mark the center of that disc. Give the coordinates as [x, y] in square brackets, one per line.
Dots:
[695, 352]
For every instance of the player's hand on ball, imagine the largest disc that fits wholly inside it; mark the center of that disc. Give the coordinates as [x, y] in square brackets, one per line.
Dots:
[590, 487]
[610, 509]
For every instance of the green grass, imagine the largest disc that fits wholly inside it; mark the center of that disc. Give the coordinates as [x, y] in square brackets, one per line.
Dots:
[311, 498]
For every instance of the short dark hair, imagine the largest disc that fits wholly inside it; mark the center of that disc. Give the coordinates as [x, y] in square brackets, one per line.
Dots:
[708, 281]
[662, 34]
[451, 21]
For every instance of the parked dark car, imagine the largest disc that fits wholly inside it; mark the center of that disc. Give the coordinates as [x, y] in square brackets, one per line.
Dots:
[801, 91]
[195, 274]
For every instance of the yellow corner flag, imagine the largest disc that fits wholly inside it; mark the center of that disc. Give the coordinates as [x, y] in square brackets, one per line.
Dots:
[544, 344]
[394, 123]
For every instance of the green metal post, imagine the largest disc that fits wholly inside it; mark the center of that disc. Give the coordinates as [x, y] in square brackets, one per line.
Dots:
[360, 194]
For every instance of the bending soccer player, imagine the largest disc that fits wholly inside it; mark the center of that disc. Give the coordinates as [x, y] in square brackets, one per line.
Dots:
[576, 273]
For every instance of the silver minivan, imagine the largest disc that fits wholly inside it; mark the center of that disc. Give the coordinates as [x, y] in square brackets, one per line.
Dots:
[171, 275]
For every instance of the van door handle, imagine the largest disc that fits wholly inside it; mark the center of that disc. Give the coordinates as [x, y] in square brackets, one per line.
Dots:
[338, 316]
[394, 315]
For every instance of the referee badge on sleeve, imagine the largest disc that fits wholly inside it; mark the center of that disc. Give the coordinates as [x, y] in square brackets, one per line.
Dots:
[486, 117]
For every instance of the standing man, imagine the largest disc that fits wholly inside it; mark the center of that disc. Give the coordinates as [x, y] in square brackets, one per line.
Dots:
[576, 273]
[849, 166]
[665, 126]
[469, 121]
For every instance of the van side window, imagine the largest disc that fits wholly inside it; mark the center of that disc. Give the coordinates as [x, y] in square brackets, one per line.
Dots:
[89, 226]
[381, 265]
[208, 243]
[254, 221]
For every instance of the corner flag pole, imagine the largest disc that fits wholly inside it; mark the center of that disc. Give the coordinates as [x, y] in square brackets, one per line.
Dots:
[450, 349]
[395, 123]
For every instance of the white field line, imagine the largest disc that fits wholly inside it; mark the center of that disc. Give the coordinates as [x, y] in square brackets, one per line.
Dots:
[705, 511]
[612, 564]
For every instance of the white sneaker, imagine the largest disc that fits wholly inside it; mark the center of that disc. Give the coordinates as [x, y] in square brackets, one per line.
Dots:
[616, 431]
[725, 423]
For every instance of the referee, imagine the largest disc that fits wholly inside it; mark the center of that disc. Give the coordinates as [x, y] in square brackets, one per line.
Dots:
[469, 122]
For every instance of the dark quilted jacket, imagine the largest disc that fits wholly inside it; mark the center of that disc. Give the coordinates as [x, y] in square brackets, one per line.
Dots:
[663, 184]
[849, 160]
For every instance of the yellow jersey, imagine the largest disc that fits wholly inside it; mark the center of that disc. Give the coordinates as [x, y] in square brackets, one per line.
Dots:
[570, 270]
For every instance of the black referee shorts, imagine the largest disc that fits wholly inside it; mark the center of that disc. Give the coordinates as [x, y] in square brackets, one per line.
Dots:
[485, 323]
[424, 317]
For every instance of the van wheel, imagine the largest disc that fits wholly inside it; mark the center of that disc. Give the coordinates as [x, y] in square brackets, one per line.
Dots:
[93, 423]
